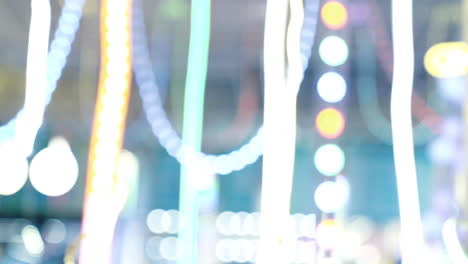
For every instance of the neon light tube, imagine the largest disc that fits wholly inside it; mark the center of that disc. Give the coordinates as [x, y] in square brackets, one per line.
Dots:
[20, 127]
[412, 239]
[36, 76]
[193, 127]
[103, 196]
[279, 128]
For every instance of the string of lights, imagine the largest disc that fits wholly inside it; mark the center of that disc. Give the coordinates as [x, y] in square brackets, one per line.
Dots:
[332, 194]
[60, 48]
[158, 119]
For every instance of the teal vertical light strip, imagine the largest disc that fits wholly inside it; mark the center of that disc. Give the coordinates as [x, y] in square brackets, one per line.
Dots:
[193, 126]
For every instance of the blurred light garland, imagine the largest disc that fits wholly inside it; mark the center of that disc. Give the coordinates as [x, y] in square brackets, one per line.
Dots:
[158, 119]
[59, 50]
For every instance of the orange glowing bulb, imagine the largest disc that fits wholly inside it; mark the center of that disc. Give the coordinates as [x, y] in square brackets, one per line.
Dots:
[330, 123]
[334, 15]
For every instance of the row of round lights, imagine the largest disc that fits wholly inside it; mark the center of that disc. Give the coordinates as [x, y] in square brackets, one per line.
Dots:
[231, 224]
[53, 171]
[329, 159]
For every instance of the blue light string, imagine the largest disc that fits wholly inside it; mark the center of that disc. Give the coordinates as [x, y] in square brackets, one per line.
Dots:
[160, 125]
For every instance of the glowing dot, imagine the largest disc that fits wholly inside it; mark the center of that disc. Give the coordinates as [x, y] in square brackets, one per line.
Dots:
[333, 51]
[331, 87]
[330, 196]
[14, 169]
[334, 15]
[54, 170]
[328, 234]
[330, 123]
[329, 159]
[54, 231]
[32, 240]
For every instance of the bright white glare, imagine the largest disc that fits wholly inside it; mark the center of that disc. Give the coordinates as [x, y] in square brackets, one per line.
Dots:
[454, 249]
[235, 224]
[32, 240]
[168, 248]
[36, 77]
[222, 250]
[250, 225]
[329, 159]
[412, 238]
[54, 170]
[349, 247]
[247, 250]
[331, 196]
[307, 225]
[370, 254]
[331, 87]
[328, 235]
[54, 231]
[13, 169]
[333, 51]
[222, 223]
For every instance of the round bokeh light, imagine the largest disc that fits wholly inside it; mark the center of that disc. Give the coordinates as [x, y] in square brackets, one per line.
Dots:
[331, 87]
[330, 123]
[334, 15]
[333, 51]
[329, 159]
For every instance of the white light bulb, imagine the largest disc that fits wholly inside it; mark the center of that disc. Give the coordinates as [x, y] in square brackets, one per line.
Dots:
[331, 87]
[54, 170]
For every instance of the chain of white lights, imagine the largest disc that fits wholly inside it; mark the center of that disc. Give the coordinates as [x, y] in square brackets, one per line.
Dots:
[158, 119]
[412, 238]
[59, 50]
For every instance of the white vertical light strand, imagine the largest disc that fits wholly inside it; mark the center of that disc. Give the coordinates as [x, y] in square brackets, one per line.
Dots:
[412, 238]
[452, 243]
[36, 76]
[106, 194]
[279, 135]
